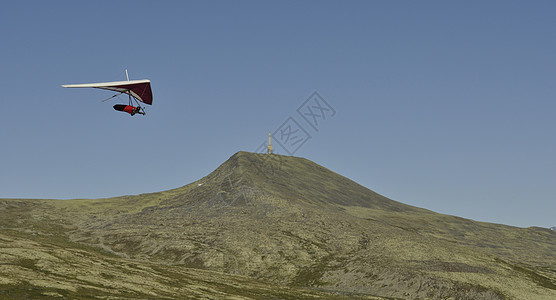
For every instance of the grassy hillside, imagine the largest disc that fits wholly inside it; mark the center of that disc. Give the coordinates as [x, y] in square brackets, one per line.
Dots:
[39, 261]
[287, 222]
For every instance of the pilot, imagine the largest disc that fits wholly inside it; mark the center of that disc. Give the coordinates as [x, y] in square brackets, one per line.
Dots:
[128, 109]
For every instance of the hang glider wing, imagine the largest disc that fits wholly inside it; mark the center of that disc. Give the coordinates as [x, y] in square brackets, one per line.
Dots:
[138, 89]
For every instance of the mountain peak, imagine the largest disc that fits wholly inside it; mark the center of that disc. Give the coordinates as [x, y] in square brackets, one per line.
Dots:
[289, 221]
[289, 177]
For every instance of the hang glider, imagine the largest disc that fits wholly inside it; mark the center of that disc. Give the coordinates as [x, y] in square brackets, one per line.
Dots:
[139, 90]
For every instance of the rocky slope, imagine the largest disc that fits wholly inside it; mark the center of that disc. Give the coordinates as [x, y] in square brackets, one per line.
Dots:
[292, 223]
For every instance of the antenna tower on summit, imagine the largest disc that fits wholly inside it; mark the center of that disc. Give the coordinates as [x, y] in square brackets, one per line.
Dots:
[269, 148]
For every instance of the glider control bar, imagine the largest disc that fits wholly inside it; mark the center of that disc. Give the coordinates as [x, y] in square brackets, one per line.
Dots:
[112, 97]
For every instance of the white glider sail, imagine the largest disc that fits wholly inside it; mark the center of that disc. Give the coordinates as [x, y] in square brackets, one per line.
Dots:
[138, 89]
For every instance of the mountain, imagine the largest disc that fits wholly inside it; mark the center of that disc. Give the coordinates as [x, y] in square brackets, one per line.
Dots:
[553, 228]
[267, 226]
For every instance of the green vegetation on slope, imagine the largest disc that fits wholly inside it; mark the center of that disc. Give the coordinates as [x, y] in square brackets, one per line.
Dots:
[290, 222]
[38, 262]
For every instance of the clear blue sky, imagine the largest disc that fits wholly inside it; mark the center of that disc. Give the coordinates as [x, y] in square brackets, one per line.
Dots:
[449, 106]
